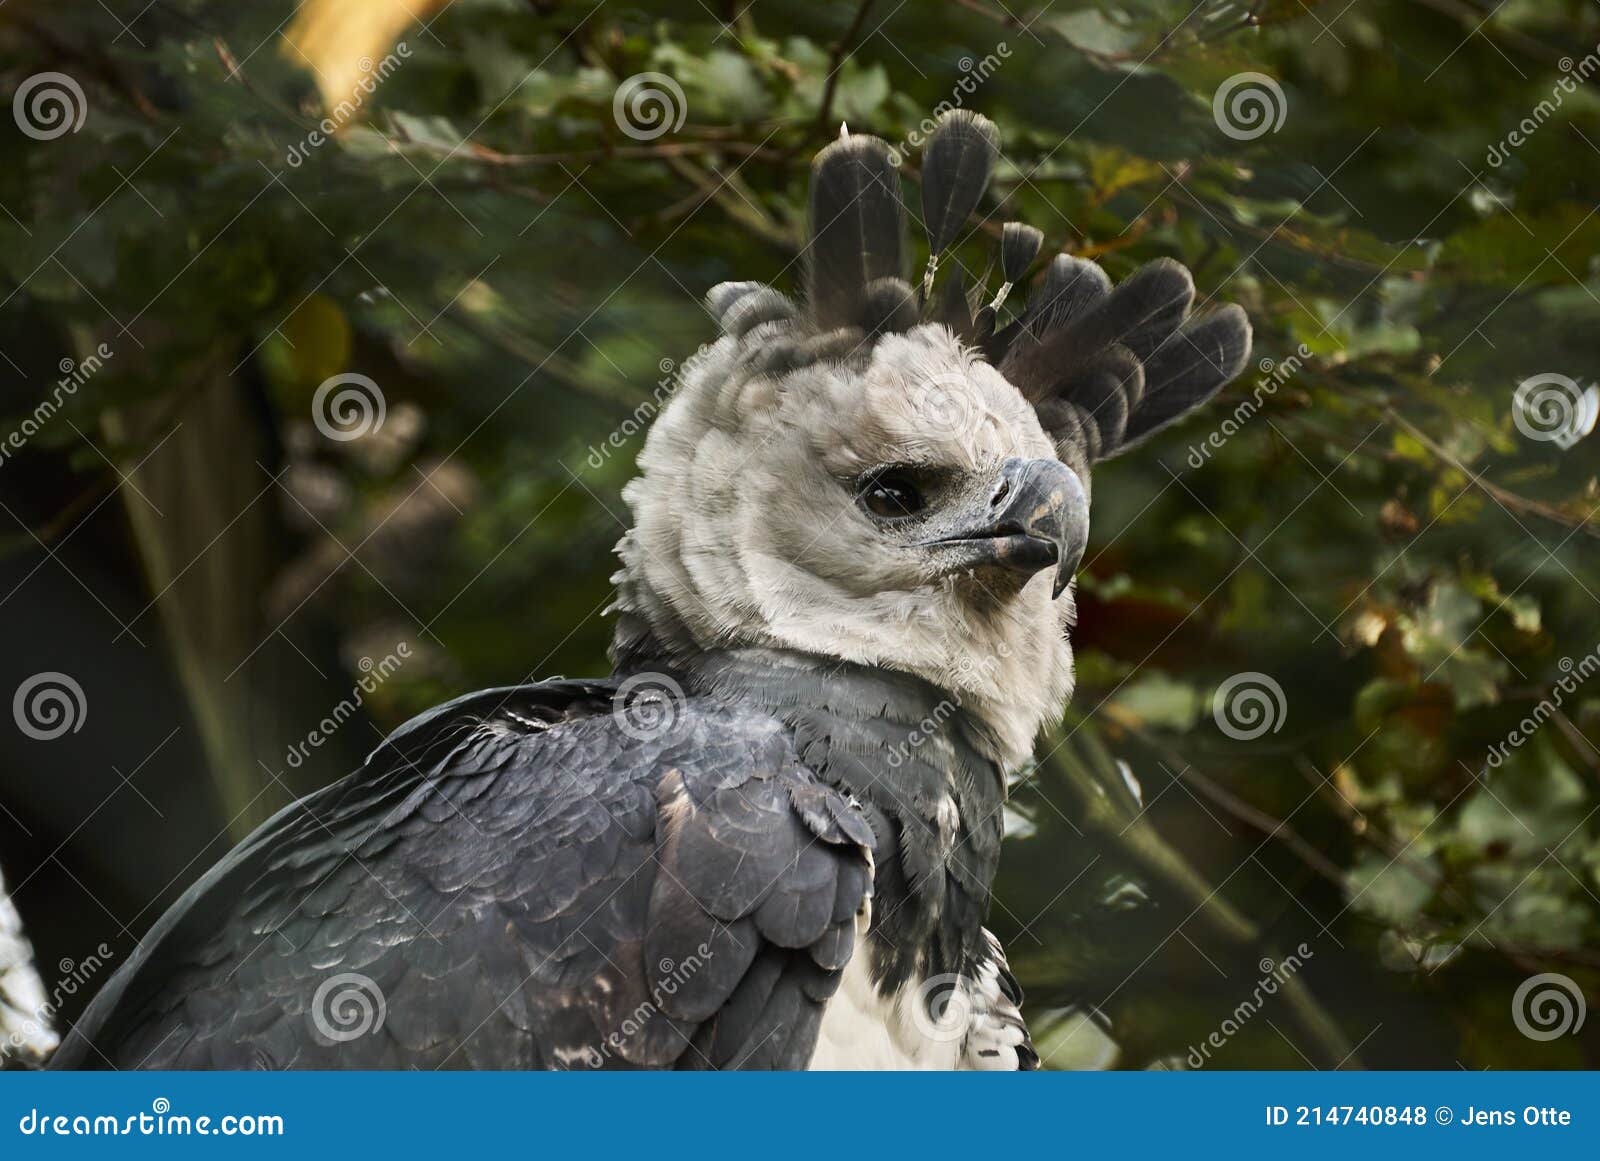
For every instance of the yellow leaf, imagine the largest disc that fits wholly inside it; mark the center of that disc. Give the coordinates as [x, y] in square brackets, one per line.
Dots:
[318, 335]
[341, 42]
[1112, 170]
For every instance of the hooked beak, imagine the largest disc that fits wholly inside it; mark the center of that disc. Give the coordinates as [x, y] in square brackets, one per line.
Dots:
[1038, 515]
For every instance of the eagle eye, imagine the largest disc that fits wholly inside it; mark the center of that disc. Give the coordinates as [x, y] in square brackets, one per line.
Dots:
[891, 494]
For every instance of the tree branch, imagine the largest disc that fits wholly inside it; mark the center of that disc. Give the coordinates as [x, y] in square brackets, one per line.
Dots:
[1505, 498]
[841, 52]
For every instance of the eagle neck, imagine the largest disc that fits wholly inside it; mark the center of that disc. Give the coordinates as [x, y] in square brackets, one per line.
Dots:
[917, 762]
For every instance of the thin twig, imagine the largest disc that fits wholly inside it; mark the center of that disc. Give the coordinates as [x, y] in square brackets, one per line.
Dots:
[473, 151]
[737, 207]
[1479, 19]
[1580, 742]
[841, 52]
[1273, 828]
[1505, 498]
[1286, 237]
[1362, 828]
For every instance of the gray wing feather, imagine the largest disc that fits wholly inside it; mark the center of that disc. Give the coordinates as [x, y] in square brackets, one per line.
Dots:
[513, 881]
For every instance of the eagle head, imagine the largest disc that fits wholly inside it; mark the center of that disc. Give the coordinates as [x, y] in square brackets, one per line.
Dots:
[899, 477]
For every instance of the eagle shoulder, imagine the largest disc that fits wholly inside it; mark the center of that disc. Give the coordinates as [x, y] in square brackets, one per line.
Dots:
[520, 878]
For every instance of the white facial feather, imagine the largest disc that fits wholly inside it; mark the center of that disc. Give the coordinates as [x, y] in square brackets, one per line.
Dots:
[748, 532]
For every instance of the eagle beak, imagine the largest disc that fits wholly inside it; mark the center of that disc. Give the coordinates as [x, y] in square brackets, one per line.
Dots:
[1037, 516]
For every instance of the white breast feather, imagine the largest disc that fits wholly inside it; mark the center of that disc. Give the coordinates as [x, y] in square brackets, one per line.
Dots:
[974, 1025]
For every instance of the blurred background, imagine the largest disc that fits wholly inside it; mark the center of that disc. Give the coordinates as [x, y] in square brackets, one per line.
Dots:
[328, 336]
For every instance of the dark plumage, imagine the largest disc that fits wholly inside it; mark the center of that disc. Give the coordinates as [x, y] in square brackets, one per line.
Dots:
[518, 876]
[956, 165]
[1083, 343]
[1019, 246]
[857, 229]
[530, 885]
[953, 308]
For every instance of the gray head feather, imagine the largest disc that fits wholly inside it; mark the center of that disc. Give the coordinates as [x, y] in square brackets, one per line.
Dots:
[815, 482]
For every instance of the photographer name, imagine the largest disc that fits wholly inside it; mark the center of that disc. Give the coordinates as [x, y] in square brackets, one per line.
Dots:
[1532, 1115]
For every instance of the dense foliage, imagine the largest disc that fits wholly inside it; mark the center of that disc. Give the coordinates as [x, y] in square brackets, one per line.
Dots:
[514, 256]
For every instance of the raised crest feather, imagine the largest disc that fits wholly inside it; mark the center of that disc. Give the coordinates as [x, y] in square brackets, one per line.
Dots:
[956, 166]
[857, 225]
[1103, 365]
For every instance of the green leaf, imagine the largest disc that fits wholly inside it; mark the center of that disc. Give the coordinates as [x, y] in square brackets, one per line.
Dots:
[1095, 32]
[1157, 701]
[1393, 890]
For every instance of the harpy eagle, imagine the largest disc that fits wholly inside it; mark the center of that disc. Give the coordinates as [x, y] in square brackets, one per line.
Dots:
[767, 840]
